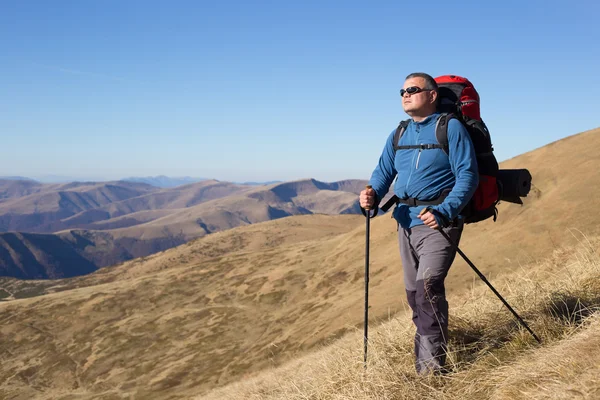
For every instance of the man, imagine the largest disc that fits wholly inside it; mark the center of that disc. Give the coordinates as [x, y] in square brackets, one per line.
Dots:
[431, 176]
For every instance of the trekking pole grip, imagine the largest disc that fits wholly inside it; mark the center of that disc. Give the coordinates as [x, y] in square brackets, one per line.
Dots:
[368, 187]
[367, 210]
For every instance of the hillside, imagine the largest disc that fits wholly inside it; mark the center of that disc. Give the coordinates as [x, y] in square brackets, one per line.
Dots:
[33, 207]
[54, 207]
[231, 304]
[118, 231]
[489, 358]
[30, 255]
[15, 188]
[29, 206]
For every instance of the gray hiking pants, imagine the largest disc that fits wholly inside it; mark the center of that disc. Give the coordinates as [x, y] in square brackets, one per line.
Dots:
[426, 258]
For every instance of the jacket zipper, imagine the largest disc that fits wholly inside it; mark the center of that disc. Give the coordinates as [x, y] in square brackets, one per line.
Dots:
[417, 163]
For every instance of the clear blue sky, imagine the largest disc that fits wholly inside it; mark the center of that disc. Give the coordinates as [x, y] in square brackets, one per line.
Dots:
[265, 90]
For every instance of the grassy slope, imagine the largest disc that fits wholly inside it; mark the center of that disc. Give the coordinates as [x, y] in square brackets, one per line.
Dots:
[490, 357]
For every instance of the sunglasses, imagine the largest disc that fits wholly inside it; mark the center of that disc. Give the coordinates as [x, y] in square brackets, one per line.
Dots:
[413, 90]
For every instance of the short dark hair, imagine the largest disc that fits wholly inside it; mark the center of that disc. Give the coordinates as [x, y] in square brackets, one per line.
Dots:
[429, 81]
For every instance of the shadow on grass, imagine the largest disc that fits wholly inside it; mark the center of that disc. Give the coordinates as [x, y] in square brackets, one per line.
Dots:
[570, 309]
[469, 341]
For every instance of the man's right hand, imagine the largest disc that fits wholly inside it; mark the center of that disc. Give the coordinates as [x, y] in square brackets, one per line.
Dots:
[367, 199]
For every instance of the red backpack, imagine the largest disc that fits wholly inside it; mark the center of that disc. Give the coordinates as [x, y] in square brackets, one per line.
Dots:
[460, 100]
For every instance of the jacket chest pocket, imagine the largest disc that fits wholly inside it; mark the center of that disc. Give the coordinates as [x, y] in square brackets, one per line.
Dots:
[428, 158]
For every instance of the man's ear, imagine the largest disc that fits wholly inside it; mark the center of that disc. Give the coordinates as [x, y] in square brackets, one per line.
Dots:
[434, 97]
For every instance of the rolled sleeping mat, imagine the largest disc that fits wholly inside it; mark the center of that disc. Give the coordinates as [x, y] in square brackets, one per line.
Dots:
[514, 184]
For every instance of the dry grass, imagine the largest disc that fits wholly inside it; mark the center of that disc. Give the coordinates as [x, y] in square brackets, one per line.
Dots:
[490, 356]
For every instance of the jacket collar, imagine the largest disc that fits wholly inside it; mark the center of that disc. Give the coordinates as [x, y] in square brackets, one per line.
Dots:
[427, 121]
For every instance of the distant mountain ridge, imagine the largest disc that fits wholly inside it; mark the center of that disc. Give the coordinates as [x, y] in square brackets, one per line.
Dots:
[255, 183]
[15, 188]
[108, 223]
[16, 178]
[163, 181]
[34, 207]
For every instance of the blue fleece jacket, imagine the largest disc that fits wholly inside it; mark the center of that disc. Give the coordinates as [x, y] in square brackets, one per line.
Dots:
[424, 174]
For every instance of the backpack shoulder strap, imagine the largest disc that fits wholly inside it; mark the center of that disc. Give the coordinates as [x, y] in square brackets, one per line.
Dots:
[399, 132]
[482, 141]
[441, 134]
[441, 130]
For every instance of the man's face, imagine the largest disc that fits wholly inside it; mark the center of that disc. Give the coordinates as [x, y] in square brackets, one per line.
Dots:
[418, 102]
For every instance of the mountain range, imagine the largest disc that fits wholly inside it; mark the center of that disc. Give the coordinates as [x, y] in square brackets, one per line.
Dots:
[63, 230]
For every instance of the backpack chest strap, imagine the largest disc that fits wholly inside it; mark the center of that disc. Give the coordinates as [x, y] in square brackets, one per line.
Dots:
[441, 135]
[420, 147]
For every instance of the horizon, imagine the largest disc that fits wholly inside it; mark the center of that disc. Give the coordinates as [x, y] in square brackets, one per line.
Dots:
[261, 92]
[189, 179]
[52, 178]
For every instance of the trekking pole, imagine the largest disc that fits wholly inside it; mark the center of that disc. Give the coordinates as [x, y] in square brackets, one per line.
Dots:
[367, 214]
[489, 284]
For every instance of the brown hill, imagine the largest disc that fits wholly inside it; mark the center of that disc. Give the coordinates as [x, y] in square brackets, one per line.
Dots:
[47, 208]
[30, 255]
[117, 232]
[41, 208]
[219, 308]
[222, 201]
[164, 199]
[10, 189]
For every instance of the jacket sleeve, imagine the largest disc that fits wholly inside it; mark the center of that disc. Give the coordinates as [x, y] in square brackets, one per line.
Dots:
[385, 171]
[464, 167]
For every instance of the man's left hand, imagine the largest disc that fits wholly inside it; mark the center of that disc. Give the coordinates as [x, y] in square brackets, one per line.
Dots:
[428, 219]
